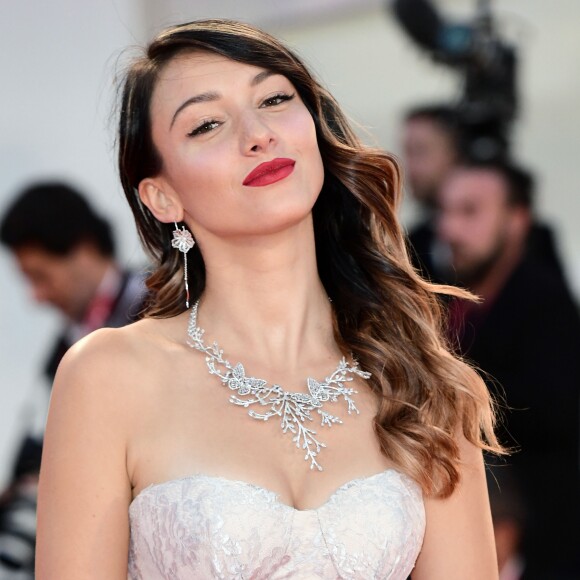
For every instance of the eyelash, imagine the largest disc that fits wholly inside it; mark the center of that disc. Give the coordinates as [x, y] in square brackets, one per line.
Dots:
[212, 124]
[205, 127]
[280, 97]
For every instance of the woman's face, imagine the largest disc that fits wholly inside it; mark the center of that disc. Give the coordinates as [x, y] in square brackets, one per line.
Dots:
[238, 146]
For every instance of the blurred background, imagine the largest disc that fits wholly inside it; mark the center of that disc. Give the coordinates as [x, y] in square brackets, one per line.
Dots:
[509, 71]
[59, 61]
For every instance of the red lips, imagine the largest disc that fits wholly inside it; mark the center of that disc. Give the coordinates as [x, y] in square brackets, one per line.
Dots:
[270, 172]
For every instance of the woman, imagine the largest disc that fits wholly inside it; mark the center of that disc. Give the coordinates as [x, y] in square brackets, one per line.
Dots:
[299, 270]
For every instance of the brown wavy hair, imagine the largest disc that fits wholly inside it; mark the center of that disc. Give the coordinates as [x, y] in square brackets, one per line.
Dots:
[385, 314]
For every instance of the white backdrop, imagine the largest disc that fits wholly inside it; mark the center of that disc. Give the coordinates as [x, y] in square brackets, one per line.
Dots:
[57, 61]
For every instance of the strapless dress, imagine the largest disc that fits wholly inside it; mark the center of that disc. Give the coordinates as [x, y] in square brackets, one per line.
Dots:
[210, 527]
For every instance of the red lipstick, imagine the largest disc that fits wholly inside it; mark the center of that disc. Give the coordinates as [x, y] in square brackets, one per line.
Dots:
[270, 172]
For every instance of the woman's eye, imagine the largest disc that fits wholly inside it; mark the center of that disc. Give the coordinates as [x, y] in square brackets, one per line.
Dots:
[205, 127]
[277, 100]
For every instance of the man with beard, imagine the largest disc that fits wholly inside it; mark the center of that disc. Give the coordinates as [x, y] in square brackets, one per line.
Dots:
[525, 335]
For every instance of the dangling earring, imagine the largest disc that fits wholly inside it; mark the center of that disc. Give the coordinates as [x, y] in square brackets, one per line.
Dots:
[183, 241]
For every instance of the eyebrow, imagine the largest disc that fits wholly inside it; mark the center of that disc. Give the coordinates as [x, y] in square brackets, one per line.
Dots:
[211, 96]
[261, 77]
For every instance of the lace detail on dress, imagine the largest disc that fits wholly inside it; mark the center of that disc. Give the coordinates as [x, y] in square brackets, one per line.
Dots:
[211, 527]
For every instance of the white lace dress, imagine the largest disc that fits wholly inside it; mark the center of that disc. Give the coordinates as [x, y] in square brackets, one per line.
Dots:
[210, 527]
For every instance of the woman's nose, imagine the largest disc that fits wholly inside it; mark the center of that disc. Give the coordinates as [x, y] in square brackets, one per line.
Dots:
[257, 135]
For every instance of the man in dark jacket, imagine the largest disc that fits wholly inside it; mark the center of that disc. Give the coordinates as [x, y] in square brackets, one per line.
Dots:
[66, 252]
[433, 145]
[525, 334]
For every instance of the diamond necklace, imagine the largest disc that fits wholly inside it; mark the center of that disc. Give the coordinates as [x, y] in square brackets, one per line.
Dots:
[294, 409]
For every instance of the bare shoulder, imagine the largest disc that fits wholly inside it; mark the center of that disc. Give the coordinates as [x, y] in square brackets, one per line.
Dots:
[120, 344]
[85, 488]
[117, 356]
[114, 372]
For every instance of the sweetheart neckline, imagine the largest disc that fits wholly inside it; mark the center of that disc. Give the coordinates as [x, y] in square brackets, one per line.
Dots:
[275, 495]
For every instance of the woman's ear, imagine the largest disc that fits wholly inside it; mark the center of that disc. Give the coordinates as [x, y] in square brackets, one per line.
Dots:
[161, 200]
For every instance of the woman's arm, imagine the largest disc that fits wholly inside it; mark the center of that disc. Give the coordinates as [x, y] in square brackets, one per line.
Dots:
[84, 494]
[459, 540]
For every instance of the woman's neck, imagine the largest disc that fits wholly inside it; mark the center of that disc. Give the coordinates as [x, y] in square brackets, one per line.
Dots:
[264, 295]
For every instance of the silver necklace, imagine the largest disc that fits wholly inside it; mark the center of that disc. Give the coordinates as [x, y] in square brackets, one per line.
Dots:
[294, 409]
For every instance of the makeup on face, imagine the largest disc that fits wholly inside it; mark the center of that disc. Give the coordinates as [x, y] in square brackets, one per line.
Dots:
[236, 131]
[270, 172]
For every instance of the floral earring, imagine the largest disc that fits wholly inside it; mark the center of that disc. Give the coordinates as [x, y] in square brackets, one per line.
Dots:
[183, 241]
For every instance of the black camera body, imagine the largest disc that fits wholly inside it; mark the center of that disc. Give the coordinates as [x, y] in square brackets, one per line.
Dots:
[488, 104]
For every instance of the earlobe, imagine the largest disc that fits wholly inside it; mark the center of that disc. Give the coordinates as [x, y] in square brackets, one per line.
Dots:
[160, 200]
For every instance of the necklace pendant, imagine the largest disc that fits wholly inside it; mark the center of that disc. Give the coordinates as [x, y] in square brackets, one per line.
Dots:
[295, 410]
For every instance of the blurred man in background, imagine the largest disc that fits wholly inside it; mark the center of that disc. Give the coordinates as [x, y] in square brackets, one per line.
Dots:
[431, 149]
[526, 335]
[66, 253]
[434, 143]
